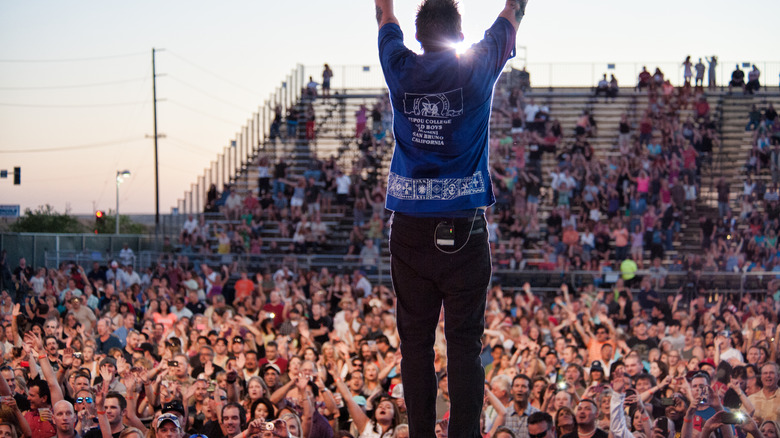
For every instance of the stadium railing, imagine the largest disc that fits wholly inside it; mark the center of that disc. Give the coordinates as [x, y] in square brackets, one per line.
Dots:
[688, 283]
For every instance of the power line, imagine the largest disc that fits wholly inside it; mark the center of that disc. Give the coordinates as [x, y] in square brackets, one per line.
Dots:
[232, 123]
[189, 146]
[86, 105]
[64, 87]
[94, 58]
[235, 84]
[72, 148]
[207, 94]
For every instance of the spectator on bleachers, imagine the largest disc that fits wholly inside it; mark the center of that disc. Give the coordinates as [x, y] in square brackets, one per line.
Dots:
[291, 121]
[369, 256]
[770, 115]
[311, 88]
[699, 68]
[753, 84]
[327, 75]
[737, 79]
[603, 86]
[702, 108]
[712, 64]
[688, 70]
[754, 118]
[310, 119]
[233, 205]
[361, 117]
[613, 87]
[343, 185]
[276, 124]
[644, 79]
[658, 79]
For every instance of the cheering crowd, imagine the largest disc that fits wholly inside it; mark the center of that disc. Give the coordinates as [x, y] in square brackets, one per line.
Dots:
[310, 354]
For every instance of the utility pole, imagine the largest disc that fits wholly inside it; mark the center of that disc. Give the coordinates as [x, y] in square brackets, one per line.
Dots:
[156, 136]
[156, 166]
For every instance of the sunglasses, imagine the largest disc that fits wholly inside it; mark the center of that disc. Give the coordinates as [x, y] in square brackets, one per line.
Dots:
[81, 400]
[537, 435]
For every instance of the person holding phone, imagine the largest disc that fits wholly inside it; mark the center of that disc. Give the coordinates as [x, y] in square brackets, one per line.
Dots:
[705, 404]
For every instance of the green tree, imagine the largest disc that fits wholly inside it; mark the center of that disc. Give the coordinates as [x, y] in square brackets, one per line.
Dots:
[126, 226]
[45, 220]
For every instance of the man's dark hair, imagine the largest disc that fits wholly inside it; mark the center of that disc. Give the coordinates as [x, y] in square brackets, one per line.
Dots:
[120, 398]
[739, 372]
[538, 417]
[521, 376]
[645, 376]
[703, 375]
[438, 24]
[43, 389]
[241, 412]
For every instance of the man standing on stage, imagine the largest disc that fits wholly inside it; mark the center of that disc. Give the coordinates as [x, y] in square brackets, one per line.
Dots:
[439, 187]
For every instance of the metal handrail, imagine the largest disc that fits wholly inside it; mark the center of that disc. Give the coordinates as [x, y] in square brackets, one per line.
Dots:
[677, 281]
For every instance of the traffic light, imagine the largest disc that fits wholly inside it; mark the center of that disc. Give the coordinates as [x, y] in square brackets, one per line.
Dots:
[17, 176]
[100, 219]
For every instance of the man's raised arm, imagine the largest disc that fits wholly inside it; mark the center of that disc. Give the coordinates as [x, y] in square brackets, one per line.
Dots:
[514, 10]
[384, 12]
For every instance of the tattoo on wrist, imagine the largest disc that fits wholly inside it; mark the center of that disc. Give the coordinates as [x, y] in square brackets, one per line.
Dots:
[519, 9]
[378, 15]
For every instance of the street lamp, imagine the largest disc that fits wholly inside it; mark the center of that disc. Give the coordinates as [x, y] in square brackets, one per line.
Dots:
[120, 176]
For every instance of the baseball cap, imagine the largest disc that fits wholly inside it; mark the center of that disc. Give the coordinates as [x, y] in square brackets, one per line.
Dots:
[173, 406]
[108, 361]
[167, 417]
[398, 391]
[273, 366]
[596, 366]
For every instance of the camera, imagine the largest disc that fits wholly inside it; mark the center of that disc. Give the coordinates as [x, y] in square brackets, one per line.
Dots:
[737, 417]
[663, 424]
[562, 385]
[77, 355]
[173, 363]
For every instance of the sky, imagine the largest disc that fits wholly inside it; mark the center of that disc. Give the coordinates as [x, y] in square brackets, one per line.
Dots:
[76, 88]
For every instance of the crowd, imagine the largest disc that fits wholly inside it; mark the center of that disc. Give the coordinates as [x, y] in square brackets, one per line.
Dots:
[312, 354]
[605, 208]
[173, 349]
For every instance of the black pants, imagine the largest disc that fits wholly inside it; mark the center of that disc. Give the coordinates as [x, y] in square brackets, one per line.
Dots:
[424, 278]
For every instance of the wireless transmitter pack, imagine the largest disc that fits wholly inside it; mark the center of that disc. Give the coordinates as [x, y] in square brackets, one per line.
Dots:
[445, 234]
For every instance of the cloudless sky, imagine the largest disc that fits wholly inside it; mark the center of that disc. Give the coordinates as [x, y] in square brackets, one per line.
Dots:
[76, 93]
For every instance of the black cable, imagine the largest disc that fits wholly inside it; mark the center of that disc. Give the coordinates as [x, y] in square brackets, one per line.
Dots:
[72, 148]
[65, 87]
[94, 58]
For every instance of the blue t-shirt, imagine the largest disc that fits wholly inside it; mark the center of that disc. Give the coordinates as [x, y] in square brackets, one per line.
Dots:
[441, 107]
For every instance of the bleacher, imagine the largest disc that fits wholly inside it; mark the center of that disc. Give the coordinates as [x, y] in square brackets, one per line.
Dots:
[335, 136]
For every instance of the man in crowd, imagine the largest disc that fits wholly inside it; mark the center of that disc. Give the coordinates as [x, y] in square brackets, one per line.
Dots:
[518, 412]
